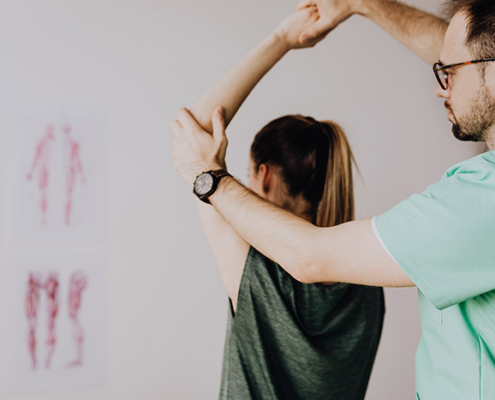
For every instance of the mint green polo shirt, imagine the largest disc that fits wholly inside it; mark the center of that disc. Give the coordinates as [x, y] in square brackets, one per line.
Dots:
[444, 239]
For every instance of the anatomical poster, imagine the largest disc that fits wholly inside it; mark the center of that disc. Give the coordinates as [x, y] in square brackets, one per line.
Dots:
[56, 176]
[55, 321]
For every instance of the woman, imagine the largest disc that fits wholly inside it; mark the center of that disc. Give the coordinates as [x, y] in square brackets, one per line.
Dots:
[285, 339]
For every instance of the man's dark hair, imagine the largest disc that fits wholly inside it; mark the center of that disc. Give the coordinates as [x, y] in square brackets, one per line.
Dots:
[480, 38]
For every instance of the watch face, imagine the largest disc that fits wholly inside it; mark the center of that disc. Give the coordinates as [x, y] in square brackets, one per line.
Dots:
[203, 184]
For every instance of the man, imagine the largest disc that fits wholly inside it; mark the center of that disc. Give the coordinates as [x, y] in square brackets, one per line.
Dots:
[440, 241]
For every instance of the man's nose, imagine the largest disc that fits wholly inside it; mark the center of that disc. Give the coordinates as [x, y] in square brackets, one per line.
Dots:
[443, 93]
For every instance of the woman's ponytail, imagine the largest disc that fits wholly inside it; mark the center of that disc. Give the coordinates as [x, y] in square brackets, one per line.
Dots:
[337, 203]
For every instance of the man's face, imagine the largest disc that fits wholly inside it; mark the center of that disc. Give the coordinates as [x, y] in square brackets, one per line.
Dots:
[468, 98]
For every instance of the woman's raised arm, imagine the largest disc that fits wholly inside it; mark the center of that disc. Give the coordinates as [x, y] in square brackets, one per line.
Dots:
[234, 87]
[228, 248]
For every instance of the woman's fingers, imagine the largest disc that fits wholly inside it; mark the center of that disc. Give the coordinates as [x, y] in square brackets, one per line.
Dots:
[304, 3]
[318, 29]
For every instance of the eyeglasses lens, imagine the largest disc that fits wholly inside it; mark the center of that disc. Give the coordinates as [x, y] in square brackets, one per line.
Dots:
[444, 78]
[441, 75]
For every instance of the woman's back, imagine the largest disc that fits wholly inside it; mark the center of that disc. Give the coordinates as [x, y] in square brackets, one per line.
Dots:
[289, 340]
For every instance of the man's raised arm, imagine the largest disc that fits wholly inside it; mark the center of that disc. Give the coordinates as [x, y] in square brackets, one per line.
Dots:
[419, 31]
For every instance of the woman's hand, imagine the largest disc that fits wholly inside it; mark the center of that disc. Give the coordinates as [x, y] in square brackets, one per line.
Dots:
[290, 30]
[331, 13]
[195, 150]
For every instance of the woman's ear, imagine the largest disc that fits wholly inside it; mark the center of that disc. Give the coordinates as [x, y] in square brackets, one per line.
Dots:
[265, 176]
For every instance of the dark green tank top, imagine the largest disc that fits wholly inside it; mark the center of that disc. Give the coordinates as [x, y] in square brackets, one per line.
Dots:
[290, 340]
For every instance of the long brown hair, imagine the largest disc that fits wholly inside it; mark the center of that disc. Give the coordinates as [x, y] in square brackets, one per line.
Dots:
[315, 160]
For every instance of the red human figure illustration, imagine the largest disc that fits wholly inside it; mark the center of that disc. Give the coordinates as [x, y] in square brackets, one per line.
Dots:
[73, 149]
[78, 283]
[42, 160]
[32, 303]
[51, 288]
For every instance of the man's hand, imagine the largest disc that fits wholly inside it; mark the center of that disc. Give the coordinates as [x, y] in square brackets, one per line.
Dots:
[195, 150]
[331, 13]
[290, 30]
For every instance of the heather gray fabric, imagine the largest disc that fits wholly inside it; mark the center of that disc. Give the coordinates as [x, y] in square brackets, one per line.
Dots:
[290, 340]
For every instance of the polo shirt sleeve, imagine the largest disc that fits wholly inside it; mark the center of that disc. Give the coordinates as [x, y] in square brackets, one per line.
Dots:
[444, 237]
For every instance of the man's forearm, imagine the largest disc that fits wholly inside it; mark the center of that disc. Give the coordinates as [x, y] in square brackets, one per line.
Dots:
[348, 252]
[231, 91]
[421, 32]
[276, 233]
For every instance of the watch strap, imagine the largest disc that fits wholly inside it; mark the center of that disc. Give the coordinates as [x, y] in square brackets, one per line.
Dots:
[219, 173]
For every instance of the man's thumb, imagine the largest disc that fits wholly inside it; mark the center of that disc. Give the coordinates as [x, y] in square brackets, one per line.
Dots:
[218, 123]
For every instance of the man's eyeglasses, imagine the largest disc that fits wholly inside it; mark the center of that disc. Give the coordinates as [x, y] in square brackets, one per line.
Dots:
[442, 75]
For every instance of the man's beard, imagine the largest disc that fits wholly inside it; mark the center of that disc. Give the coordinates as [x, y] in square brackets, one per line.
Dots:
[474, 125]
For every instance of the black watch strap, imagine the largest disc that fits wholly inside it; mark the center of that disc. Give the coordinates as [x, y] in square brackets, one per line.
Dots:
[219, 173]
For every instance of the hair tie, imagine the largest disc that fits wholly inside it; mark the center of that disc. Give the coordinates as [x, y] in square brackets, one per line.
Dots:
[317, 125]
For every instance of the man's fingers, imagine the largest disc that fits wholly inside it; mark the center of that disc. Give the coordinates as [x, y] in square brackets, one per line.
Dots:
[304, 4]
[218, 124]
[319, 28]
[321, 37]
[175, 127]
[187, 120]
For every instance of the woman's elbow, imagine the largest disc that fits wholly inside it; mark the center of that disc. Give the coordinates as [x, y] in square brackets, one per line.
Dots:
[303, 269]
[309, 274]
[302, 260]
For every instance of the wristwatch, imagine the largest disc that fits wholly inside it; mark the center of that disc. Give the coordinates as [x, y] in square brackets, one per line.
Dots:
[207, 182]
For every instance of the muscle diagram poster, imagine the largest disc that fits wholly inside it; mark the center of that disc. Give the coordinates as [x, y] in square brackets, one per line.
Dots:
[55, 321]
[56, 176]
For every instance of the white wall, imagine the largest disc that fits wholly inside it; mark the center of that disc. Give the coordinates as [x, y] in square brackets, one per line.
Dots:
[141, 60]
